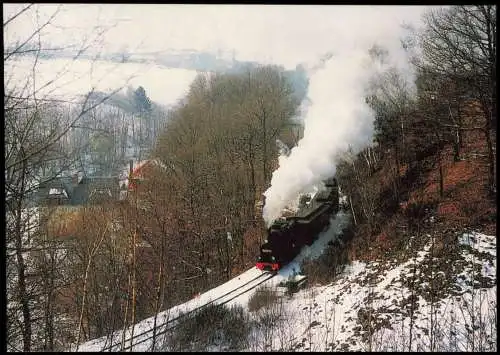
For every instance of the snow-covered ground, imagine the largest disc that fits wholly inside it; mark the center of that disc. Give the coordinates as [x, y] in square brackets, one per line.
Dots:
[76, 78]
[313, 251]
[334, 317]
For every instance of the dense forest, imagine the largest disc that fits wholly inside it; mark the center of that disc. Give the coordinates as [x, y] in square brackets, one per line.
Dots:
[74, 274]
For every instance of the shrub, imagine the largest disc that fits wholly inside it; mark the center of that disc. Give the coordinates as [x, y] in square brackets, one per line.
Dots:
[214, 325]
[262, 297]
[324, 269]
[291, 286]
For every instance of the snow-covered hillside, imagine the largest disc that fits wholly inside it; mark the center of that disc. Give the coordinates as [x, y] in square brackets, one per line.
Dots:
[368, 308]
[371, 306]
[75, 78]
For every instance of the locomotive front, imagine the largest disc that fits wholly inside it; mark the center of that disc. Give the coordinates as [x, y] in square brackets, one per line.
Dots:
[274, 253]
[266, 260]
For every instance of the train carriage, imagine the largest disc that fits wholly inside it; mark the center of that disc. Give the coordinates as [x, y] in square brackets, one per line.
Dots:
[287, 235]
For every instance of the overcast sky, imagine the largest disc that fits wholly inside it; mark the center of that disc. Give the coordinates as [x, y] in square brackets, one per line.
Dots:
[285, 34]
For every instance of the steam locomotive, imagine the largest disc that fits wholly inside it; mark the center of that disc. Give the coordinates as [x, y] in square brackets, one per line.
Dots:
[287, 235]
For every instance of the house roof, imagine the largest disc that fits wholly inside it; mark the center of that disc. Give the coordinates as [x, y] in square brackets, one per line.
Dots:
[87, 190]
[141, 167]
[144, 165]
[142, 170]
[47, 190]
[91, 189]
[58, 191]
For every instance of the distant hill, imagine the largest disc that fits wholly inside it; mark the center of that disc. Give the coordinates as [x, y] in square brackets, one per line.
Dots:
[190, 59]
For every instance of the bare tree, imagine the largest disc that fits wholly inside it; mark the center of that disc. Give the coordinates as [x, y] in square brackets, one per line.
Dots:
[35, 127]
[213, 146]
[353, 173]
[460, 42]
[90, 253]
[392, 99]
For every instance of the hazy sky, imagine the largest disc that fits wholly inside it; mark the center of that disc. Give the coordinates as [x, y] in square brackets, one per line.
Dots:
[286, 34]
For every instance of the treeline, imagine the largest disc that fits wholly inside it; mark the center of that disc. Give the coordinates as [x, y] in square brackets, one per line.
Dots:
[53, 282]
[194, 221]
[77, 273]
[123, 127]
[453, 108]
[215, 161]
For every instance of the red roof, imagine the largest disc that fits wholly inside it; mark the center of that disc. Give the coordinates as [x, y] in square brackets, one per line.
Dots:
[139, 172]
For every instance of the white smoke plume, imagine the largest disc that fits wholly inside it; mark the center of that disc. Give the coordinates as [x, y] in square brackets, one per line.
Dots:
[338, 119]
[283, 149]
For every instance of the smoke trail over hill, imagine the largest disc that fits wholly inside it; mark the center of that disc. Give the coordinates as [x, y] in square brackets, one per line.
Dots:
[337, 120]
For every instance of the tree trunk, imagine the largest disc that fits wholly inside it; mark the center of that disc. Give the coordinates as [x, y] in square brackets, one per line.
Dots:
[158, 298]
[21, 267]
[92, 252]
[134, 276]
[456, 132]
[125, 320]
[460, 134]
[395, 184]
[491, 159]
[253, 187]
[49, 316]
[228, 258]
[490, 150]
[492, 44]
[490, 112]
[441, 176]
[352, 209]
[80, 322]
[264, 147]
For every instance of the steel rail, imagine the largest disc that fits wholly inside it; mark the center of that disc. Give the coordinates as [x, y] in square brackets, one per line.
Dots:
[111, 346]
[218, 304]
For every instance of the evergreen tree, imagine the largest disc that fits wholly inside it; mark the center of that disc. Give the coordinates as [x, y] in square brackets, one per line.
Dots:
[141, 101]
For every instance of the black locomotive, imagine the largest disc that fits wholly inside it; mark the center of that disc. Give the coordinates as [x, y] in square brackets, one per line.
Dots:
[287, 235]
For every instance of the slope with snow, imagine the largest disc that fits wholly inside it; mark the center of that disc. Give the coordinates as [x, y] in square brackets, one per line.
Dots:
[338, 223]
[369, 308]
[377, 306]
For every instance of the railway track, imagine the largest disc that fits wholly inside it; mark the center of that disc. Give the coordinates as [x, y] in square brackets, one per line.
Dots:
[171, 323]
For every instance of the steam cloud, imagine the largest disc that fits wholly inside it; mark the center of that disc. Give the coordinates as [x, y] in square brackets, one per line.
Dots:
[337, 120]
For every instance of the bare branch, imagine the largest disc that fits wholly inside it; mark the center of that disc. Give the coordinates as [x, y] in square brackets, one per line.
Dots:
[65, 130]
[36, 32]
[16, 15]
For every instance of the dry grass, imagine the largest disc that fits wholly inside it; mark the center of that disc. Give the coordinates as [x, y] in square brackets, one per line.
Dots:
[326, 268]
[263, 297]
[227, 327]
